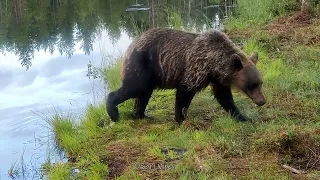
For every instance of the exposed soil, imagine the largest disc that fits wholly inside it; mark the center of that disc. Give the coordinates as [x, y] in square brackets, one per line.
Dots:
[121, 155]
[239, 34]
[198, 125]
[206, 152]
[238, 166]
[296, 19]
[296, 28]
[303, 151]
[299, 18]
[154, 168]
[133, 155]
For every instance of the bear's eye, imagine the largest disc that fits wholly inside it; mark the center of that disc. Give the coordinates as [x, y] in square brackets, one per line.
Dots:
[253, 86]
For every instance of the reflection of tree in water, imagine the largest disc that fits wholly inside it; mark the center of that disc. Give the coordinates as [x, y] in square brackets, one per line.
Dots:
[29, 26]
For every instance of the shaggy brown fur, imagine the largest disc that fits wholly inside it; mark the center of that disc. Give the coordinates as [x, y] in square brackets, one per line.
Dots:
[172, 59]
[187, 58]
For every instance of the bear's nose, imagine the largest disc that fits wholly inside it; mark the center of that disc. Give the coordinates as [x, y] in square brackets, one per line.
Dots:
[261, 103]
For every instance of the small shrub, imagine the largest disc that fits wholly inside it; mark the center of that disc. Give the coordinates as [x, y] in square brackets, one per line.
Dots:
[60, 171]
[95, 119]
[280, 7]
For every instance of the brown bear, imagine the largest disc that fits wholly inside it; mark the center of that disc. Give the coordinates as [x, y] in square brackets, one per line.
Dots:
[188, 62]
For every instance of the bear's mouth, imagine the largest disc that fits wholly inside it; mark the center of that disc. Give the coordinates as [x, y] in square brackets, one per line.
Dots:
[257, 97]
[261, 103]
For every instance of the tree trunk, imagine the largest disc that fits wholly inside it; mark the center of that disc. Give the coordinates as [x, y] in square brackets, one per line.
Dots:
[18, 10]
[0, 11]
[305, 6]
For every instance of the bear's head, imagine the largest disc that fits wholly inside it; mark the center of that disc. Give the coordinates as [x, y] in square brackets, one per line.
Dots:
[247, 77]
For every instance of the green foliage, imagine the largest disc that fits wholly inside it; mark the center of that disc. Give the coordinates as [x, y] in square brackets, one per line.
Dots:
[195, 166]
[315, 7]
[252, 13]
[215, 1]
[61, 126]
[74, 140]
[150, 137]
[91, 167]
[174, 19]
[123, 129]
[280, 71]
[94, 119]
[60, 171]
[112, 76]
[281, 7]
[66, 133]
[156, 151]
[249, 13]
[305, 54]
[130, 174]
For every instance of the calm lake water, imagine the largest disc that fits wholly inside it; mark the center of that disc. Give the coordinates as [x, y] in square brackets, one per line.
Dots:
[46, 47]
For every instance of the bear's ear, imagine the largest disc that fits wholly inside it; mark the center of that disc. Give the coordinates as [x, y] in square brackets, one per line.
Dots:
[236, 62]
[254, 57]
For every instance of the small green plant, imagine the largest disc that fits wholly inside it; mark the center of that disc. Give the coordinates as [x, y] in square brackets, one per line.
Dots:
[315, 10]
[95, 118]
[60, 171]
[66, 133]
[91, 167]
[156, 151]
[112, 73]
[151, 137]
[281, 7]
[174, 19]
[253, 13]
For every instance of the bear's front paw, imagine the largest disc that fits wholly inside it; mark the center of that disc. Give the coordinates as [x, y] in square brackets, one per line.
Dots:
[113, 113]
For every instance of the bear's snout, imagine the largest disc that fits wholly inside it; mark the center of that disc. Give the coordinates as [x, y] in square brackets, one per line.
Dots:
[258, 97]
[261, 103]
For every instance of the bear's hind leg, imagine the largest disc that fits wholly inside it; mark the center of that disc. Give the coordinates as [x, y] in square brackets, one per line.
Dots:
[225, 99]
[117, 97]
[141, 103]
[183, 100]
[112, 103]
[137, 83]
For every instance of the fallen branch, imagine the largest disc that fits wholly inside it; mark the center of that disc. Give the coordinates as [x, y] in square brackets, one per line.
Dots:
[293, 169]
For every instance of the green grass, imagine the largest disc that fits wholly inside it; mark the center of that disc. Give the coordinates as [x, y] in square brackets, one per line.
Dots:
[94, 120]
[173, 18]
[210, 144]
[66, 134]
[59, 171]
[74, 138]
[251, 14]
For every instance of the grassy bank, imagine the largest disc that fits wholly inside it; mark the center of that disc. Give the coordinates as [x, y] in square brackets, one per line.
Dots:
[211, 145]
